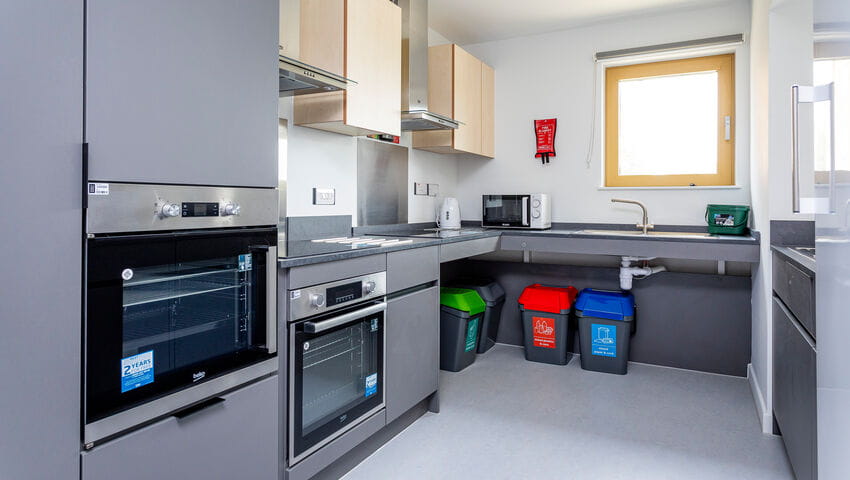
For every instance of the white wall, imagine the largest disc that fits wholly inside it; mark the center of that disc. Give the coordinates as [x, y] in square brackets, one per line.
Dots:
[761, 372]
[552, 75]
[322, 159]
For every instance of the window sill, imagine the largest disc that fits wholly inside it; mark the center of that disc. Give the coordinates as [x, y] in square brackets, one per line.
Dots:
[707, 187]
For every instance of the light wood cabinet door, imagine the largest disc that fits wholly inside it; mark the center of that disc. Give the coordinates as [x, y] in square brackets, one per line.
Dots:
[467, 102]
[360, 40]
[488, 111]
[462, 87]
[373, 60]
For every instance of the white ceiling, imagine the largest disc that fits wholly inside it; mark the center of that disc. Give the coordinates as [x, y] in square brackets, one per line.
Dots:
[475, 21]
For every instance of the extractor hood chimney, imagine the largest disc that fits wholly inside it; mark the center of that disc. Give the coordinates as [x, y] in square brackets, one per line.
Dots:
[414, 70]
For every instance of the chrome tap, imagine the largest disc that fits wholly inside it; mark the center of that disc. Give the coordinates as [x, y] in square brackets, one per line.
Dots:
[645, 225]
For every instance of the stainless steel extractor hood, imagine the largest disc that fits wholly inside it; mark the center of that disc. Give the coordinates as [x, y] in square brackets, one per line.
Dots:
[414, 70]
[298, 78]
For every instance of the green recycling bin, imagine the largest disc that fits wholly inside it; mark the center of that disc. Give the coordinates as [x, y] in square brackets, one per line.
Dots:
[461, 313]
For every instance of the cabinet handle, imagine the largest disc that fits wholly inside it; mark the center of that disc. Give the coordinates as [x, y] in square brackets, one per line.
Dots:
[197, 408]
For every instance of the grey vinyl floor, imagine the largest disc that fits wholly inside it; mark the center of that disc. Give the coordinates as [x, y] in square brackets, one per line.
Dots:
[506, 418]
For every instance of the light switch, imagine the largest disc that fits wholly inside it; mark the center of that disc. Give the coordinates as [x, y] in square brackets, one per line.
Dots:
[420, 188]
[433, 189]
[324, 196]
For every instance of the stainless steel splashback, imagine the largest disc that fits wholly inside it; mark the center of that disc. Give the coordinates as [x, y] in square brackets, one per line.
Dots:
[381, 183]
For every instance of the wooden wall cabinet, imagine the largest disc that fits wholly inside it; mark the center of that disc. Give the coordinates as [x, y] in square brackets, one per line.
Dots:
[360, 40]
[462, 87]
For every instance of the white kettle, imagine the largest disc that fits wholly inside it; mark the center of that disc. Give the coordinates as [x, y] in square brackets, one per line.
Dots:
[449, 214]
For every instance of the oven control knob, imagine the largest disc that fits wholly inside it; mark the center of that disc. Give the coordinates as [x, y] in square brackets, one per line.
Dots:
[232, 209]
[170, 210]
[536, 204]
[535, 213]
[369, 287]
[317, 300]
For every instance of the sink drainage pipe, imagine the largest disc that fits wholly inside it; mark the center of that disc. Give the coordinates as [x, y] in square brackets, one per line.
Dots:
[629, 273]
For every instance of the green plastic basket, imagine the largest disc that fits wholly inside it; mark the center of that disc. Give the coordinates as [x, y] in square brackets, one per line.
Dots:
[727, 219]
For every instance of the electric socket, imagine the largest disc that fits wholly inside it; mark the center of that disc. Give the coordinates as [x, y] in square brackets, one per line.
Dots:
[324, 196]
[420, 188]
[433, 189]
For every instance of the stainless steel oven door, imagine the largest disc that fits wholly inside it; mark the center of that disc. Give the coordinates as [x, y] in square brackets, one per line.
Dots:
[506, 211]
[336, 375]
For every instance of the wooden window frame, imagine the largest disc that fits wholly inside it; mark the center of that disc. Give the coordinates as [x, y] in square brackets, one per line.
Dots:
[724, 65]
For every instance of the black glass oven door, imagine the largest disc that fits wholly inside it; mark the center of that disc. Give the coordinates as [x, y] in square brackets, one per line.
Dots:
[167, 311]
[337, 378]
[509, 211]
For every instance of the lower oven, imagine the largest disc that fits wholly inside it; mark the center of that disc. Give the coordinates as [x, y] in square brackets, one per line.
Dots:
[336, 364]
[180, 303]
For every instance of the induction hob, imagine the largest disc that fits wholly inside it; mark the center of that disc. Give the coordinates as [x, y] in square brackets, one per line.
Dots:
[322, 246]
[436, 233]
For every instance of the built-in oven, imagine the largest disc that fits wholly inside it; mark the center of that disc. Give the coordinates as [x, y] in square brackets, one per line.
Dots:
[180, 302]
[529, 211]
[336, 364]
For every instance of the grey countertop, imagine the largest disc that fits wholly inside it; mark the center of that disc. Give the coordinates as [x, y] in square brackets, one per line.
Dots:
[569, 231]
[806, 263]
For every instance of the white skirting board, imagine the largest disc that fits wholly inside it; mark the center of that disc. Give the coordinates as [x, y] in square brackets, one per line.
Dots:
[764, 414]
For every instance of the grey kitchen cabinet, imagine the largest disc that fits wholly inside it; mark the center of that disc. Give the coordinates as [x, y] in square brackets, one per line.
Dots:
[182, 92]
[413, 350]
[409, 268]
[797, 290]
[41, 114]
[795, 390]
[235, 438]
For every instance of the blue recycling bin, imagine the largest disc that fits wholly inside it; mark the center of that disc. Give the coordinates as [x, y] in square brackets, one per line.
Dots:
[605, 321]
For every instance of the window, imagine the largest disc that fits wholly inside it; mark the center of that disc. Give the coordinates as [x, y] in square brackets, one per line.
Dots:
[670, 123]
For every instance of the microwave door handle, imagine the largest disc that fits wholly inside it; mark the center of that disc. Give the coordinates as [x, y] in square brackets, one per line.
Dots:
[318, 327]
[525, 211]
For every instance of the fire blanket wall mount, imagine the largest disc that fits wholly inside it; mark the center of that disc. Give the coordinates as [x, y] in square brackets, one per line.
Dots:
[544, 130]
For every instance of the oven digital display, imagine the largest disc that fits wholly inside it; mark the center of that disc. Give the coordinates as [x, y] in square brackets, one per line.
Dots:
[199, 209]
[344, 293]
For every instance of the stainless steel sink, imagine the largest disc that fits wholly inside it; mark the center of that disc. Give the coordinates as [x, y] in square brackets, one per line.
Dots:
[638, 233]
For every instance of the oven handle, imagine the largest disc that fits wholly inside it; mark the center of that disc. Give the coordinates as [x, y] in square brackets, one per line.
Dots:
[317, 327]
[271, 299]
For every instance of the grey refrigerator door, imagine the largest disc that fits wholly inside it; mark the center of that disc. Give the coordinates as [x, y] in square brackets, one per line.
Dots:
[182, 92]
[832, 177]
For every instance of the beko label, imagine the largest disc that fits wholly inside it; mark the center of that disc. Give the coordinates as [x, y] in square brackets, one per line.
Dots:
[371, 385]
[136, 371]
[98, 189]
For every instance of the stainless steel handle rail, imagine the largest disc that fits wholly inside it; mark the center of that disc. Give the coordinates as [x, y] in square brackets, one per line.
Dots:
[317, 327]
[805, 94]
[271, 299]
[795, 148]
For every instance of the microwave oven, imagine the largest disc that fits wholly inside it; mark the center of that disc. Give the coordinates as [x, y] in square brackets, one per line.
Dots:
[530, 211]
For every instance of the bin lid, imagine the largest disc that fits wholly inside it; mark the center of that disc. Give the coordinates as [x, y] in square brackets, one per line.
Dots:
[462, 299]
[490, 291]
[606, 304]
[547, 299]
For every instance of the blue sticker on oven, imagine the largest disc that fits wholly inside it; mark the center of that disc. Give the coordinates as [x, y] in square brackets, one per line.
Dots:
[371, 385]
[245, 262]
[136, 371]
[374, 325]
